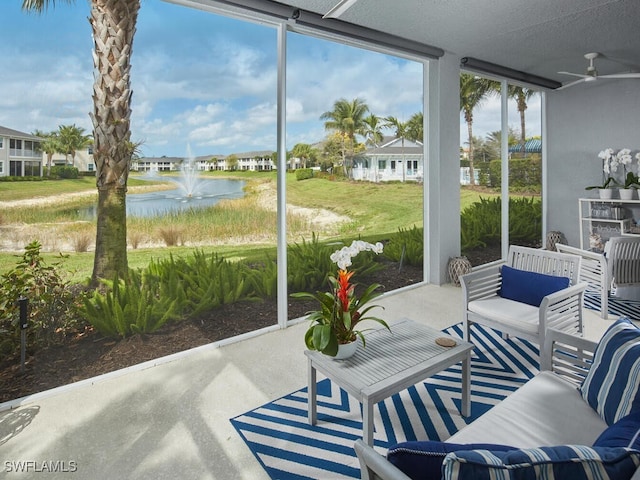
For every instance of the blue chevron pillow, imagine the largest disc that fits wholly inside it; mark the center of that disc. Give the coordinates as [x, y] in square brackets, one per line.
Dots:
[562, 463]
[423, 459]
[611, 385]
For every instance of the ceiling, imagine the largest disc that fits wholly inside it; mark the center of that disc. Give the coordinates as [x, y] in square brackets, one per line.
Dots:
[539, 37]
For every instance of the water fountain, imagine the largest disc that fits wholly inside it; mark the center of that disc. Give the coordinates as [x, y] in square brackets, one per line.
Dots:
[189, 178]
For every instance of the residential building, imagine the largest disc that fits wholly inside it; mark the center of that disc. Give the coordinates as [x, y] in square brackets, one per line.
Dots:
[396, 159]
[20, 154]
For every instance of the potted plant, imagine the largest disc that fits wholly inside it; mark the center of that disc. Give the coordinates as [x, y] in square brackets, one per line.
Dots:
[610, 163]
[606, 189]
[335, 326]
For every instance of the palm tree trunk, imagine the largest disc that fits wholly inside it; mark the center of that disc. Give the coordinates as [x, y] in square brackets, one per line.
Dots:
[472, 177]
[113, 23]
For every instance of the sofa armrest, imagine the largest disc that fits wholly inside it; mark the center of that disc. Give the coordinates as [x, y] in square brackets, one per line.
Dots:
[568, 356]
[374, 466]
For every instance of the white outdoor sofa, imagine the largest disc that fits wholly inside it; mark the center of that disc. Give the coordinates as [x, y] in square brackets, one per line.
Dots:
[547, 411]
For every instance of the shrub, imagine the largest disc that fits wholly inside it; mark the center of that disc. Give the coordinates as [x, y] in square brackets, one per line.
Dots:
[406, 246]
[53, 307]
[481, 223]
[304, 173]
[170, 235]
[64, 171]
[82, 241]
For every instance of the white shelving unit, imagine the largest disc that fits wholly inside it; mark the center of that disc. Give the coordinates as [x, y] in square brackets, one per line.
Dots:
[598, 215]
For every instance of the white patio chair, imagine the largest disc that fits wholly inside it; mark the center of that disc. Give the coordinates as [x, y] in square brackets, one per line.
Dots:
[562, 309]
[623, 262]
[593, 270]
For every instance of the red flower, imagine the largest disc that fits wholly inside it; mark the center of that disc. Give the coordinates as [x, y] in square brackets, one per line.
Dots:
[344, 290]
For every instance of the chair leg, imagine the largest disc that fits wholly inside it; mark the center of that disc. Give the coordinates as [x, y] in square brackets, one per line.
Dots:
[466, 330]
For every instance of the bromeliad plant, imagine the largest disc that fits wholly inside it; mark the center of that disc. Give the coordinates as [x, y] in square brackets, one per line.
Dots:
[341, 310]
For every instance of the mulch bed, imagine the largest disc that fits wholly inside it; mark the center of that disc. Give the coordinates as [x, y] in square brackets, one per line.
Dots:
[88, 354]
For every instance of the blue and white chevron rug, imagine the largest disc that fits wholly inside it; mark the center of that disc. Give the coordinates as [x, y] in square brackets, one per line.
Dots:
[284, 443]
[616, 306]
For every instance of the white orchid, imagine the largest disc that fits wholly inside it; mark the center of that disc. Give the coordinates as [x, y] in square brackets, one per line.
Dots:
[343, 256]
[624, 156]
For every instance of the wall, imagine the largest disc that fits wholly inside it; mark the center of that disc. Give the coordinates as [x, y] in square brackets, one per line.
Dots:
[582, 121]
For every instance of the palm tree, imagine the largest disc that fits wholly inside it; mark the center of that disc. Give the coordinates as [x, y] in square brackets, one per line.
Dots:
[304, 152]
[401, 129]
[346, 118]
[521, 96]
[415, 127]
[373, 130]
[473, 90]
[113, 25]
[71, 139]
[49, 145]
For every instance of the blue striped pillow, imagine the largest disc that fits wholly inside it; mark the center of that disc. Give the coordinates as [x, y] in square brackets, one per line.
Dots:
[564, 462]
[611, 385]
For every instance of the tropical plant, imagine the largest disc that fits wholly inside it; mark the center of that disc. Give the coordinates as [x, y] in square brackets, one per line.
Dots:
[373, 130]
[341, 310]
[521, 95]
[415, 127]
[113, 25]
[304, 152]
[50, 144]
[400, 131]
[348, 119]
[406, 246]
[473, 91]
[52, 306]
[70, 139]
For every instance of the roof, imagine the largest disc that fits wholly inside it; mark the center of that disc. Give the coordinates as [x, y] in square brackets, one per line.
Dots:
[8, 132]
[393, 146]
[533, 145]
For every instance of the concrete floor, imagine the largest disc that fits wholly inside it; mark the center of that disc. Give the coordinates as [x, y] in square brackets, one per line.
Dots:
[171, 420]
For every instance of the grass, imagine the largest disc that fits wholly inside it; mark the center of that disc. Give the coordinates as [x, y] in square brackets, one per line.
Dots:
[233, 229]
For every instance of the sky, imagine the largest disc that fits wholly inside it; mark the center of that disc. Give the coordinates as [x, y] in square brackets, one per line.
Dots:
[203, 83]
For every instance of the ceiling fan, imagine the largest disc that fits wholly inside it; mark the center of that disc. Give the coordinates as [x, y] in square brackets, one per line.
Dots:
[592, 74]
[339, 8]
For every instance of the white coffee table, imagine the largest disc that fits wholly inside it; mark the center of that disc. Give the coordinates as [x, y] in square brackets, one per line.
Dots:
[390, 363]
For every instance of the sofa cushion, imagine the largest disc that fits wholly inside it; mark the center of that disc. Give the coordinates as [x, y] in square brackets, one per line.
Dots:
[562, 462]
[518, 315]
[529, 287]
[423, 459]
[624, 433]
[611, 385]
[547, 410]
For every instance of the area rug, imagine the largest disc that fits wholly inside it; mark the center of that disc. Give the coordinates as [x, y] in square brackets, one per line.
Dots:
[284, 443]
[617, 307]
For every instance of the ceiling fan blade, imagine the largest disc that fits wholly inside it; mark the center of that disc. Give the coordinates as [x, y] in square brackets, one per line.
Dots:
[621, 75]
[341, 7]
[580, 75]
[571, 84]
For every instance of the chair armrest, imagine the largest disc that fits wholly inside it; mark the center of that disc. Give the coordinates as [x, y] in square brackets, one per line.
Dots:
[481, 283]
[560, 295]
[569, 356]
[374, 466]
[562, 310]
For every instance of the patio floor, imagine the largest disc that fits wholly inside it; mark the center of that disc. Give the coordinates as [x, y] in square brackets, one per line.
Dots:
[171, 420]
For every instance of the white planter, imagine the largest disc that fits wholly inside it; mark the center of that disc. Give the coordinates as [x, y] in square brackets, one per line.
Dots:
[605, 193]
[345, 351]
[626, 193]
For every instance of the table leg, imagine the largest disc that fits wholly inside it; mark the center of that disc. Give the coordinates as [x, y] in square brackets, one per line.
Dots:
[466, 386]
[311, 393]
[367, 422]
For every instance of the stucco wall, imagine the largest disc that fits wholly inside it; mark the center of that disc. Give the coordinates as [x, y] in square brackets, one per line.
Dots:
[582, 121]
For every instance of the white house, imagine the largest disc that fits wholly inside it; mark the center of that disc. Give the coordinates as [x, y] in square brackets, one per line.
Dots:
[20, 154]
[396, 159]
